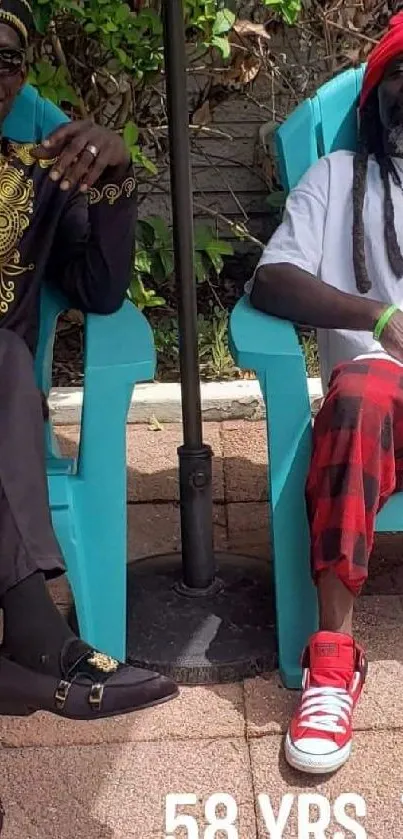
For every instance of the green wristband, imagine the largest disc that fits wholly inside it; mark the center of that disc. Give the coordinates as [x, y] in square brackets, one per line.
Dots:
[384, 320]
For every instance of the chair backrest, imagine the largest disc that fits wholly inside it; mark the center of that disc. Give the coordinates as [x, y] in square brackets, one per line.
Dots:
[32, 118]
[326, 123]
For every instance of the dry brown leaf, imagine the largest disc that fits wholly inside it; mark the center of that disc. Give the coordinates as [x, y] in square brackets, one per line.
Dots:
[249, 69]
[155, 425]
[354, 56]
[227, 77]
[247, 28]
[369, 5]
[243, 71]
[202, 116]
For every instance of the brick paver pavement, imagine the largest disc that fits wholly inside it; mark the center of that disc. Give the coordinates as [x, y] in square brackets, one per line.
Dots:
[109, 779]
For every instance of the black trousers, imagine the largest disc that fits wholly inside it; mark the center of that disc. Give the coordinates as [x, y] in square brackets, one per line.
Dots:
[27, 539]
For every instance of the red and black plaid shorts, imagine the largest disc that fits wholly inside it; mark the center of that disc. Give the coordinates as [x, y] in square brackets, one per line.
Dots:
[357, 463]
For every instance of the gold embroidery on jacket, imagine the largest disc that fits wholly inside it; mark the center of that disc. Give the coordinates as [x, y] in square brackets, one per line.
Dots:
[23, 153]
[16, 207]
[111, 192]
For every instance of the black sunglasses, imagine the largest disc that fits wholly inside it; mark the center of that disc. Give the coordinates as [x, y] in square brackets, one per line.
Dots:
[11, 61]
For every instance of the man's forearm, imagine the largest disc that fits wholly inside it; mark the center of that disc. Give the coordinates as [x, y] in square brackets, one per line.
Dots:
[92, 259]
[288, 292]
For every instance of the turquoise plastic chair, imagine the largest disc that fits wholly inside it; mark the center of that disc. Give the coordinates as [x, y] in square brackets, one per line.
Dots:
[270, 346]
[88, 496]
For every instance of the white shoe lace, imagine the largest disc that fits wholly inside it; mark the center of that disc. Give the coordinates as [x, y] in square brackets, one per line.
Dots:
[325, 709]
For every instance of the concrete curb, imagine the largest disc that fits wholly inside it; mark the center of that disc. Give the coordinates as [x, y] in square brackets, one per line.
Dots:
[234, 400]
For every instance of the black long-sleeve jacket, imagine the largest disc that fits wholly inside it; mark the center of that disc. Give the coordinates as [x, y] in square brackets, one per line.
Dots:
[83, 244]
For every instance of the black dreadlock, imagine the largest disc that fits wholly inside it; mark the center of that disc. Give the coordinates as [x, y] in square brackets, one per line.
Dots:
[370, 141]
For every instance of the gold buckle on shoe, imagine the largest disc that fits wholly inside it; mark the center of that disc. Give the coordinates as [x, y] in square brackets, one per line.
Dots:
[103, 662]
[61, 694]
[95, 697]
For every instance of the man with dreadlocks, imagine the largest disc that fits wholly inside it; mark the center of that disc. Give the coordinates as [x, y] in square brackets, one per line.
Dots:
[336, 264]
[67, 213]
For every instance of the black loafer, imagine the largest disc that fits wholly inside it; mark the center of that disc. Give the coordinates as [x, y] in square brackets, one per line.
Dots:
[92, 686]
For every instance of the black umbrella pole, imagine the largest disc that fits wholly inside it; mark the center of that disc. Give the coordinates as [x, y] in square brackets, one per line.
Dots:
[195, 458]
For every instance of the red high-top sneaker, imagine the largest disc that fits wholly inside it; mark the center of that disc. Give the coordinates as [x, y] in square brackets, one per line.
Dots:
[320, 735]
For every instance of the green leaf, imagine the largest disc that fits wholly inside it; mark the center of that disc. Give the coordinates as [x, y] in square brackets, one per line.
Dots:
[148, 165]
[74, 8]
[148, 19]
[145, 233]
[130, 134]
[154, 300]
[68, 94]
[42, 19]
[223, 247]
[143, 262]
[289, 10]
[216, 261]
[50, 93]
[200, 271]
[45, 72]
[122, 13]
[167, 260]
[221, 44]
[224, 22]
[203, 236]
[122, 56]
[142, 297]
[216, 250]
[32, 77]
[161, 230]
[157, 268]
[276, 200]
[139, 157]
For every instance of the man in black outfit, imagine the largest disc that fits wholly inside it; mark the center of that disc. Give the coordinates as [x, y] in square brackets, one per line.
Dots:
[67, 214]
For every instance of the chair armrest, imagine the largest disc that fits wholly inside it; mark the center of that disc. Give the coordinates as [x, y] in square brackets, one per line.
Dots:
[122, 341]
[119, 352]
[255, 337]
[270, 346]
[53, 303]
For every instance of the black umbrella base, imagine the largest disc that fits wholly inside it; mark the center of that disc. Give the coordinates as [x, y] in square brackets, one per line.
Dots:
[224, 636]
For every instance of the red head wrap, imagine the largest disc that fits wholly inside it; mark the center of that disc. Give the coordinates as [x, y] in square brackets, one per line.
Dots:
[389, 47]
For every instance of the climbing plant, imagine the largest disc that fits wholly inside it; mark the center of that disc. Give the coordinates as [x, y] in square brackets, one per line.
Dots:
[105, 58]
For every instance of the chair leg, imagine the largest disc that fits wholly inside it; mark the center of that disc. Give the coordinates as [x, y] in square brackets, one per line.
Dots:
[100, 514]
[289, 441]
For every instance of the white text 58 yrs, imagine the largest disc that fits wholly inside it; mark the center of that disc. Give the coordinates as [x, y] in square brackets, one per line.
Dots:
[310, 812]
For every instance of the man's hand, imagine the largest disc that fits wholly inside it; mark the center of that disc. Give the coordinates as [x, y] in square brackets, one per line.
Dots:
[84, 151]
[392, 336]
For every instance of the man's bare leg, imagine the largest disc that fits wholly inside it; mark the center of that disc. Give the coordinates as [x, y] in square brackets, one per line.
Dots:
[336, 604]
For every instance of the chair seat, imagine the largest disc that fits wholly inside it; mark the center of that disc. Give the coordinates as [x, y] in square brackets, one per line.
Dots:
[390, 519]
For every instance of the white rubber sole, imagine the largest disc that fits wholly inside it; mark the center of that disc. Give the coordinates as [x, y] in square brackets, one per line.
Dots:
[315, 764]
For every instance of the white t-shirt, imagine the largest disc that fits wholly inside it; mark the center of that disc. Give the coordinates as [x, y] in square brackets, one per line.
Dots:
[316, 235]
